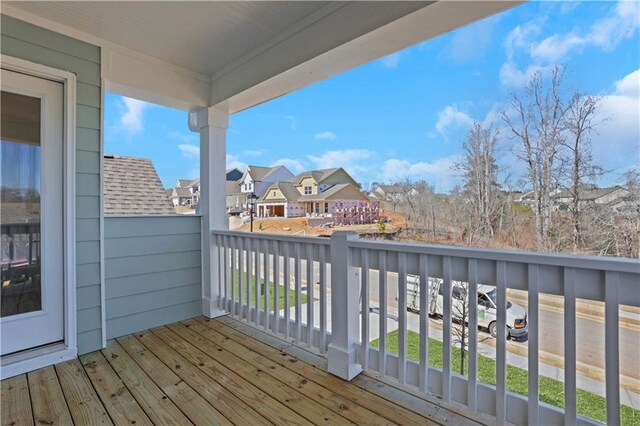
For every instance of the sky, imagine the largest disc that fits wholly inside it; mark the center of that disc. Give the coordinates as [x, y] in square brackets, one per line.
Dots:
[405, 116]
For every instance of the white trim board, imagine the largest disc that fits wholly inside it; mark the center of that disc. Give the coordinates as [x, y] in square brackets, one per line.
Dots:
[29, 360]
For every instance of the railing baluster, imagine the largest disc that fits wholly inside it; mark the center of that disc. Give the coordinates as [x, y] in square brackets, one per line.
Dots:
[241, 276]
[250, 277]
[364, 297]
[257, 264]
[323, 299]
[276, 287]
[501, 342]
[446, 328]
[533, 365]
[611, 337]
[382, 281]
[267, 284]
[424, 323]
[309, 295]
[298, 298]
[221, 267]
[472, 381]
[570, 345]
[234, 276]
[402, 317]
[226, 274]
[287, 290]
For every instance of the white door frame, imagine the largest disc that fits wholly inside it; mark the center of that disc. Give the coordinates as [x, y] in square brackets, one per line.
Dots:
[29, 360]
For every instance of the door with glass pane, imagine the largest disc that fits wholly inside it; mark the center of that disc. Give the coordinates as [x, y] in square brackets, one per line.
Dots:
[31, 212]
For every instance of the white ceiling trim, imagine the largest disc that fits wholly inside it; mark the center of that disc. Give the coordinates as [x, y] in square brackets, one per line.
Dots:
[425, 23]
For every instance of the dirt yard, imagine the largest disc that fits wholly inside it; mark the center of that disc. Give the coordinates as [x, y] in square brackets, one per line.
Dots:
[298, 226]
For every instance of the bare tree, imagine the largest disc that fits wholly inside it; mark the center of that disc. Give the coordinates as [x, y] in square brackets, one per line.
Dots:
[537, 122]
[480, 173]
[580, 123]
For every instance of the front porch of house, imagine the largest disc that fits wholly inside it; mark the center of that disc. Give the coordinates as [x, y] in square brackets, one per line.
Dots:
[202, 371]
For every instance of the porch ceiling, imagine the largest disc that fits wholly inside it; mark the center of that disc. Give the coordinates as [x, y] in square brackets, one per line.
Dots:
[199, 36]
[194, 54]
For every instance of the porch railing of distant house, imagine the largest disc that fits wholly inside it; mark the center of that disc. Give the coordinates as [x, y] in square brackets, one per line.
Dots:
[336, 272]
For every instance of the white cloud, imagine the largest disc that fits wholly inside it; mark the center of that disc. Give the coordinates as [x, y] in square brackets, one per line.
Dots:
[184, 137]
[521, 37]
[234, 162]
[513, 77]
[131, 120]
[472, 41]
[616, 146]
[295, 166]
[439, 172]
[326, 135]
[359, 163]
[391, 61]
[189, 151]
[450, 117]
[605, 33]
[629, 85]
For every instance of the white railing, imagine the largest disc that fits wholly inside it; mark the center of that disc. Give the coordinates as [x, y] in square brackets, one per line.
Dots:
[289, 298]
[349, 300]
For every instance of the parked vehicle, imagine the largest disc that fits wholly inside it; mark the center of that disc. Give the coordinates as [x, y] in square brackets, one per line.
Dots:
[517, 326]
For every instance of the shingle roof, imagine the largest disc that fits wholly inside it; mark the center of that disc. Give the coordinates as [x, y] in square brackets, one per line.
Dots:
[132, 186]
[288, 190]
[326, 194]
[258, 173]
[318, 175]
[183, 192]
[232, 188]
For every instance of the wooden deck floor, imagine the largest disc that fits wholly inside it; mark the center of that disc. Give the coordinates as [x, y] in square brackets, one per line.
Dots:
[206, 372]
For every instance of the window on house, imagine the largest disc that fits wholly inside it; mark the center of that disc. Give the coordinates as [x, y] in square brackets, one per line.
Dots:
[308, 190]
[326, 207]
[274, 193]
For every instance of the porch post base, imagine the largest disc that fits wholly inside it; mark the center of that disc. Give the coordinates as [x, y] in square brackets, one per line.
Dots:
[342, 363]
[210, 308]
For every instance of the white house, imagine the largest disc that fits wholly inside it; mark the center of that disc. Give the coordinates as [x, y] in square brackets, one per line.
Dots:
[256, 179]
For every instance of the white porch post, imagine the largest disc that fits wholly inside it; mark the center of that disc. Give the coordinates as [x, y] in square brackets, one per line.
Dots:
[345, 308]
[212, 125]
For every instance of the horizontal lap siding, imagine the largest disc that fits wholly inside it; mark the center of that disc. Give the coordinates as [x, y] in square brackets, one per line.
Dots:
[26, 41]
[152, 271]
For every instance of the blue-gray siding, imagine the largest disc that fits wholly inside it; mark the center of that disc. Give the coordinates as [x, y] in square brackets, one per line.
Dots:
[152, 269]
[26, 41]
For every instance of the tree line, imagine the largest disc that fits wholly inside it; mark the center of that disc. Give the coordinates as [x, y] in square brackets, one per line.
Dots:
[550, 129]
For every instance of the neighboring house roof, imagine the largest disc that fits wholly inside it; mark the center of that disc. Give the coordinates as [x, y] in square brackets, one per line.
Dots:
[184, 183]
[233, 174]
[132, 186]
[589, 194]
[232, 188]
[182, 193]
[287, 189]
[318, 175]
[333, 193]
[259, 173]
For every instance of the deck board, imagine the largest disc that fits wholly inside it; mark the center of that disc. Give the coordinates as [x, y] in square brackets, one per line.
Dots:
[81, 398]
[159, 408]
[207, 372]
[47, 400]
[16, 403]
[116, 398]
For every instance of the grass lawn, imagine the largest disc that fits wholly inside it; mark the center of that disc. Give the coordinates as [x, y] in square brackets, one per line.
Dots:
[551, 391]
[281, 292]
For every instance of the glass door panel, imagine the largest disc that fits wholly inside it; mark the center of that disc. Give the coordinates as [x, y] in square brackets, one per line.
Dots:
[20, 151]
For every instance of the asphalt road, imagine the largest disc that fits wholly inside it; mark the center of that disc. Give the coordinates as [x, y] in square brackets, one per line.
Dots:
[590, 333]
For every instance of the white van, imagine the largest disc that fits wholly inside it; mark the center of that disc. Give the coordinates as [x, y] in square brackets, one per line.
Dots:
[517, 326]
